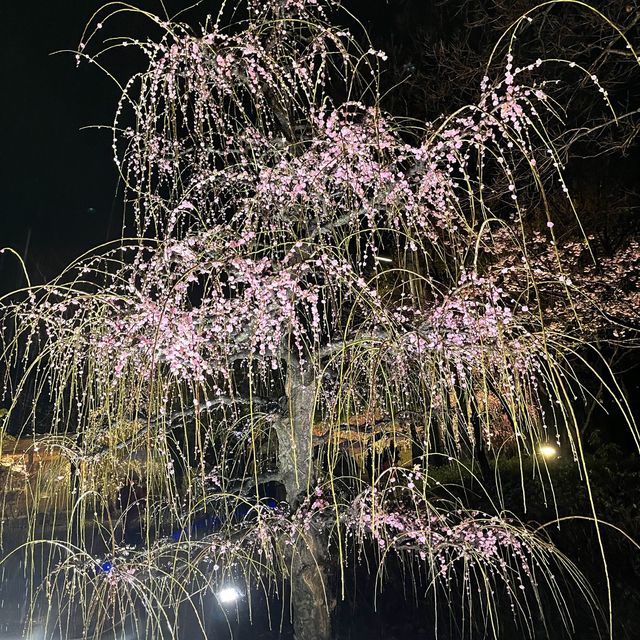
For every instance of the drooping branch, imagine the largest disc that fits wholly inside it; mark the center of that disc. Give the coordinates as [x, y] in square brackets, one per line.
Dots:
[177, 418]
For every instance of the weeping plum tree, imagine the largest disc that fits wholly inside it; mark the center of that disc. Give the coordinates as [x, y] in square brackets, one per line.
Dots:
[312, 301]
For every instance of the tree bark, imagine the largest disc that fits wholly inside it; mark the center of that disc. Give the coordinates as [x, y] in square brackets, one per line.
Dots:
[295, 433]
[311, 599]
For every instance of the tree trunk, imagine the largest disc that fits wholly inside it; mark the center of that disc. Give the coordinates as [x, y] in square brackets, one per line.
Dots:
[311, 599]
[295, 434]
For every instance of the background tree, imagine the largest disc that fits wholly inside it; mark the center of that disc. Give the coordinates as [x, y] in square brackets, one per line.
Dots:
[431, 51]
[313, 302]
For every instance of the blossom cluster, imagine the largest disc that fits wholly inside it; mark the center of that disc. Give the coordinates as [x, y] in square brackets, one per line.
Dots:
[248, 307]
[580, 288]
[443, 539]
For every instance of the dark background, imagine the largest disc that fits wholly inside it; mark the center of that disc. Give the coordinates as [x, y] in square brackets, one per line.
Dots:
[58, 182]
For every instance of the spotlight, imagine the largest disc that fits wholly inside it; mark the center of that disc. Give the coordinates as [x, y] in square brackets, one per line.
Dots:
[548, 451]
[227, 595]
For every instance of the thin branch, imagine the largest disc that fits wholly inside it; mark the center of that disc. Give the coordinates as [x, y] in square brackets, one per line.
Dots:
[172, 419]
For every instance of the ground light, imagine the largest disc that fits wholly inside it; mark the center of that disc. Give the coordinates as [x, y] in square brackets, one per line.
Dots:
[227, 595]
[548, 451]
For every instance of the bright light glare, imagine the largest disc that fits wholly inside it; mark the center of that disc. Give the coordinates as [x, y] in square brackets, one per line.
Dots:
[548, 451]
[228, 595]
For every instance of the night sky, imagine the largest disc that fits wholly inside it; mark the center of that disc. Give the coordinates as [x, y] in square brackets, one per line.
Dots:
[58, 182]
